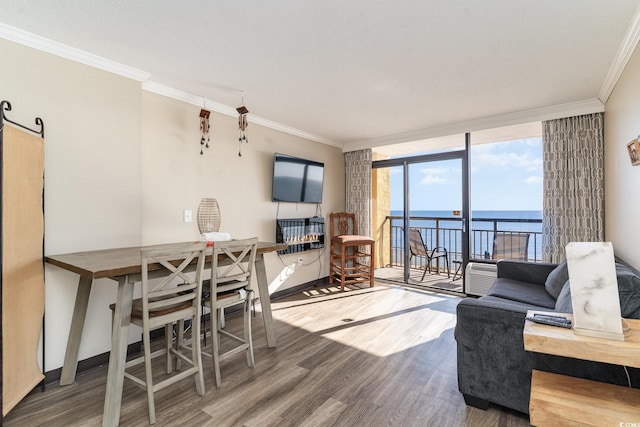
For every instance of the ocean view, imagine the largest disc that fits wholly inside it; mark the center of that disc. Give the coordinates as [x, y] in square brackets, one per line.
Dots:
[444, 229]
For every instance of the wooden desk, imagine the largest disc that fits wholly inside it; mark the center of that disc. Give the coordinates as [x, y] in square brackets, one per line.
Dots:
[563, 400]
[123, 266]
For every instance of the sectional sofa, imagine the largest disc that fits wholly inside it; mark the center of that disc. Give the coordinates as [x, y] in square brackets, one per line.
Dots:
[493, 366]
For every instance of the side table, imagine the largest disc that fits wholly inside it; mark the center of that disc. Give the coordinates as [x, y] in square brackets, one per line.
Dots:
[563, 400]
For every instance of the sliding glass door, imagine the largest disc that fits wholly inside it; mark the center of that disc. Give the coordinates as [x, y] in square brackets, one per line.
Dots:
[436, 221]
[420, 218]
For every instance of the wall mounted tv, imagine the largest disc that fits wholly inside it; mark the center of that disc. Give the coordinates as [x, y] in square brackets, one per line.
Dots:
[296, 179]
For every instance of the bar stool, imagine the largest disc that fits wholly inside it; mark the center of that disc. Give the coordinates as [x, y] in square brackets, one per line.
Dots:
[351, 257]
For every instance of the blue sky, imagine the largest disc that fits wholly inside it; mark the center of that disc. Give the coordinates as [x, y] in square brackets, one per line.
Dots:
[504, 176]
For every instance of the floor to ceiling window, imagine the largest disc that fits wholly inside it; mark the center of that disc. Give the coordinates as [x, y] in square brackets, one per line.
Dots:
[506, 193]
[459, 201]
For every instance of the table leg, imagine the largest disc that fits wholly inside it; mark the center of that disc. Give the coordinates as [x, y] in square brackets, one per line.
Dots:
[265, 300]
[118, 355]
[70, 365]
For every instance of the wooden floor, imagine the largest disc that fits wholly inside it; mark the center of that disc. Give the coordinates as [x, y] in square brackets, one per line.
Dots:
[429, 281]
[382, 356]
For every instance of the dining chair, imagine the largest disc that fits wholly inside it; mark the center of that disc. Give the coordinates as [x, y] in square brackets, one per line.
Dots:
[351, 255]
[231, 269]
[170, 299]
[511, 245]
[419, 249]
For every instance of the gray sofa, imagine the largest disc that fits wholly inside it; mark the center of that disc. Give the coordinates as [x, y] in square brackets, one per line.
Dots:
[493, 366]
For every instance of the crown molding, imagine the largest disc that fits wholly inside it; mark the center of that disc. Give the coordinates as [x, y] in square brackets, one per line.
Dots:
[571, 109]
[49, 46]
[625, 51]
[292, 131]
[188, 98]
[43, 44]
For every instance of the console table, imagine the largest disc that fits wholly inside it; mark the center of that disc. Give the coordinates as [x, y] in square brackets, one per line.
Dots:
[563, 400]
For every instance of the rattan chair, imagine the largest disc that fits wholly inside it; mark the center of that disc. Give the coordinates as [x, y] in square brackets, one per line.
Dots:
[230, 285]
[170, 299]
[351, 254]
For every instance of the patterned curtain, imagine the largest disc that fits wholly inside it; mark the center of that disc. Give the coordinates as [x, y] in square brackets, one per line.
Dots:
[358, 188]
[573, 205]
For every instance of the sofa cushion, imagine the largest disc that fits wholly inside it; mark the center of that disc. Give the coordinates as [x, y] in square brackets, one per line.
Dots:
[556, 279]
[628, 291]
[563, 303]
[515, 306]
[524, 292]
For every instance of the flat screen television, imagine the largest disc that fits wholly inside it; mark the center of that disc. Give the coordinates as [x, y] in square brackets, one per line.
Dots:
[296, 180]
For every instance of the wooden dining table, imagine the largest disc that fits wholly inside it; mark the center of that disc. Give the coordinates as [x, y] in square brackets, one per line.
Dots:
[123, 265]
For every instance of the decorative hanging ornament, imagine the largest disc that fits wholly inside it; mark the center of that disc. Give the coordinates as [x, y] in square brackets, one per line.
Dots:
[204, 128]
[242, 125]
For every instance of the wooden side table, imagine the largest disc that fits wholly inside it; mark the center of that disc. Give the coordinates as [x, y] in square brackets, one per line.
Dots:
[563, 400]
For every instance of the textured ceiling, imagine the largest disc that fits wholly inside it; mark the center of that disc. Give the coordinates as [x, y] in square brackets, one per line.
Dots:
[351, 71]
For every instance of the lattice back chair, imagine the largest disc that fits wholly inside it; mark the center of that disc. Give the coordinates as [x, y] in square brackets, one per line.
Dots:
[231, 269]
[173, 297]
[351, 255]
[418, 248]
[511, 245]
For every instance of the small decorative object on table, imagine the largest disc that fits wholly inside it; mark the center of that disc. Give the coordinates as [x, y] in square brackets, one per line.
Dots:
[208, 215]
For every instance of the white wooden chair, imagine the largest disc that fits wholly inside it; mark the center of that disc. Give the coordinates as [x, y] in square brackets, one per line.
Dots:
[168, 300]
[230, 285]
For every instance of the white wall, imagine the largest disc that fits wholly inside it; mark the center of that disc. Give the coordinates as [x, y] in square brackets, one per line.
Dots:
[92, 176]
[622, 181]
[121, 165]
[175, 177]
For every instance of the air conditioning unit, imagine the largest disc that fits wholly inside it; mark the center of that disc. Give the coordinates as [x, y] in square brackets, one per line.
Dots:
[479, 277]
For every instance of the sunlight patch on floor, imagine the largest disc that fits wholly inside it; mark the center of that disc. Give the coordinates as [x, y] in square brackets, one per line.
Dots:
[374, 329]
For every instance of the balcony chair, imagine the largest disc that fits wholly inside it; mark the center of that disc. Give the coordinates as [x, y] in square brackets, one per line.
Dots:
[351, 255]
[230, 285]
[164, 303]
[511, 245]
[419, 249]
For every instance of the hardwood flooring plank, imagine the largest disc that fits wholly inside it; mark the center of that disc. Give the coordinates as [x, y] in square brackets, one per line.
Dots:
[264, 402]
[325, 415]
[382, 356]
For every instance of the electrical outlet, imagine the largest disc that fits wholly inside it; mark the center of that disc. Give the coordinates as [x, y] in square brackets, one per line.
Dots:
[187, 215]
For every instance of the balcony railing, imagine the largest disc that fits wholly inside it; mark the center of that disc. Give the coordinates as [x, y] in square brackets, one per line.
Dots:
[447, 233]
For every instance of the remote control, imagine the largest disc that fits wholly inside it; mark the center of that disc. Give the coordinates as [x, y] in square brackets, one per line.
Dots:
[550, 316]
[566, 323]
